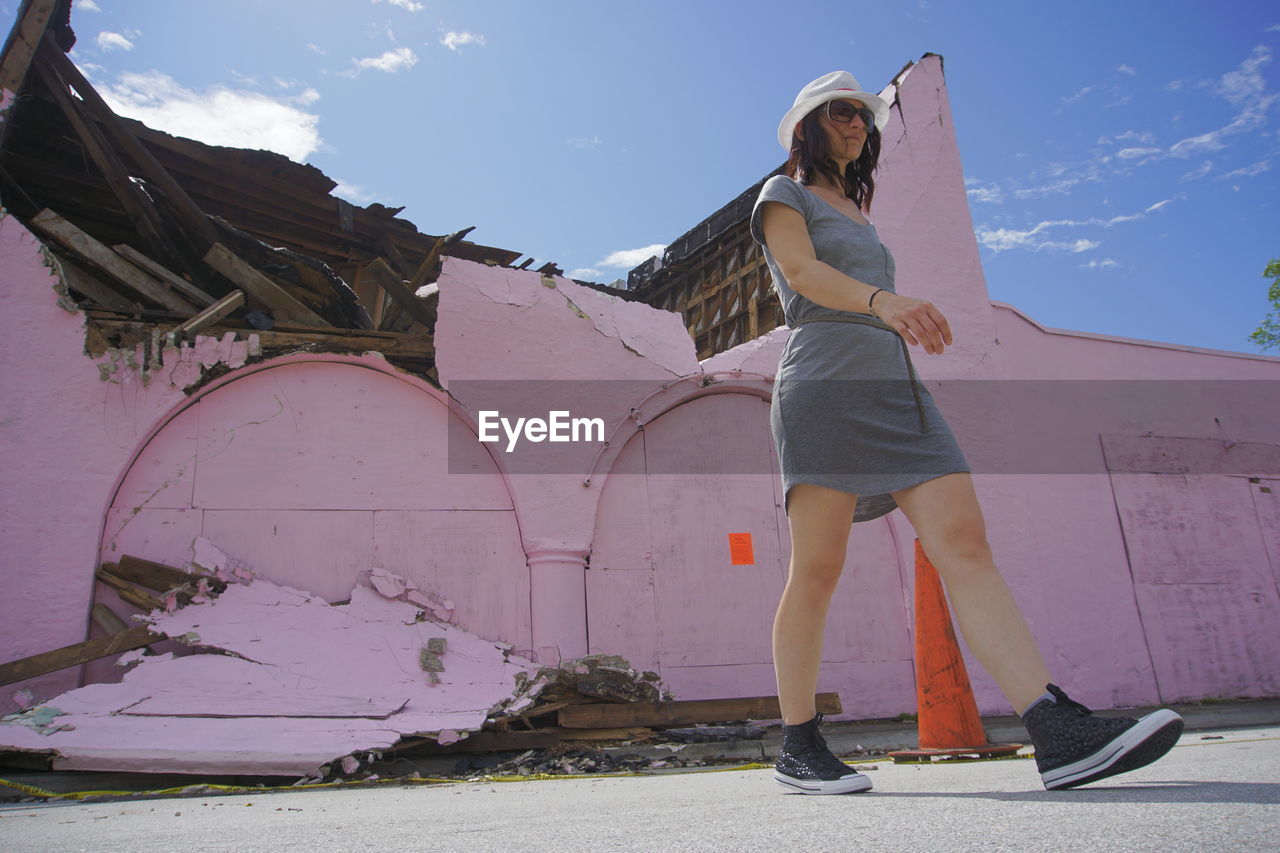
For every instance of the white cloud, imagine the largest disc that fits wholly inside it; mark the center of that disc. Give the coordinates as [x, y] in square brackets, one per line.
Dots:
[1099, 264]
[1127, 69]
[1145, 137]
[1071, 99]
[409, 5]
[113, 41]
[585, 273]
[1247, 90]
[87, 6]
[352, 193]
[1211, 141]
[90, 70]
[1134, 153]
[1004, 239]
[390, 62]
[316, 49]
[986, 195]
[1073, 246]
[1249, 171]
[1246, 82]
[219, 115]
[629, 258]
[453, 40]
[584, 142]
[1056, 188]
[1195, 174]
[1035, 239]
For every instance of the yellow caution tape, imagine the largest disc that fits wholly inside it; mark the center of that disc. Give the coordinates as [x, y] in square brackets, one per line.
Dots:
[205, 786]
[202, 787]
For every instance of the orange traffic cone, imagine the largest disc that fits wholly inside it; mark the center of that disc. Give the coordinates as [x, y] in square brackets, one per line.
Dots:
[948, 722]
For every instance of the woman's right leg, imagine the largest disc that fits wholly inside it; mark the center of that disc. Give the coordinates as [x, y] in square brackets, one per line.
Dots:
[820, 520]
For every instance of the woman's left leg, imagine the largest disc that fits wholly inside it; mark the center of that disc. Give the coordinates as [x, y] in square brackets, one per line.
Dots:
[945, 514]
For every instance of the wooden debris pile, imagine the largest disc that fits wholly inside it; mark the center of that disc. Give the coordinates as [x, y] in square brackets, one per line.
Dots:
[599, 699]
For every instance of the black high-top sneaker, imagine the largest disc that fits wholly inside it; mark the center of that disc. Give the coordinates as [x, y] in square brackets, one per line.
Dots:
[807, 766]
[1073, 747]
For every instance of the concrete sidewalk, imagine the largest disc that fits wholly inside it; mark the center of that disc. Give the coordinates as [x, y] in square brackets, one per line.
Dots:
[1214, 791]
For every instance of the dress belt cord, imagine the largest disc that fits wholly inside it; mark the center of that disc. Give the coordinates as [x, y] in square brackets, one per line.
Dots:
[879, 324]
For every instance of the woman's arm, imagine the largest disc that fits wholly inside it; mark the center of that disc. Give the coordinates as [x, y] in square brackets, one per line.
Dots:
[785, 233]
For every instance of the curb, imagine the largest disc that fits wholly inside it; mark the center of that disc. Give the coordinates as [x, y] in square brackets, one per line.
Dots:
[862, 739]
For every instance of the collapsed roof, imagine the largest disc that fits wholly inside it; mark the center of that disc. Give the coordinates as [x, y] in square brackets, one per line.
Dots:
[157, 232]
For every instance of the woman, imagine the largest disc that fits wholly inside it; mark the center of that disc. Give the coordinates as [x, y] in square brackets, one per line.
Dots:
[857, 436]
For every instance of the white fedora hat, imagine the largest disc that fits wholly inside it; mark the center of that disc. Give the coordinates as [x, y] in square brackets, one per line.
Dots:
[829, 87]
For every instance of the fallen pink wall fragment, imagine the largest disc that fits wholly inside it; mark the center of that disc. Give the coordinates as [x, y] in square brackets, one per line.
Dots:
[296, 684]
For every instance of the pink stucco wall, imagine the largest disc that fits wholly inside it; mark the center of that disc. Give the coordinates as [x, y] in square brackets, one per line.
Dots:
[313, 468]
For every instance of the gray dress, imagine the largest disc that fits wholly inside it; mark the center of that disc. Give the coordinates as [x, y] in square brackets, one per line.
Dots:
[846, 412]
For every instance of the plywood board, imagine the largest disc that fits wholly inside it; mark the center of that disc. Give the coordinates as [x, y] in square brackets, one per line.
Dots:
[474, 559]
[317, 435]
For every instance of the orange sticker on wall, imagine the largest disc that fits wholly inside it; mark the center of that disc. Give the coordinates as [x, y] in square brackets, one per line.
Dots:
[740, 551]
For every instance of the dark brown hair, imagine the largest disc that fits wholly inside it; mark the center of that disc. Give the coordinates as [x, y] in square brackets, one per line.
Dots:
[811, 156]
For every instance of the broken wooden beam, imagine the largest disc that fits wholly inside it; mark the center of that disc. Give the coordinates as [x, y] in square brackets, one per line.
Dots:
[599, 716]
[74, 655]
[283, 336]
[23, 41]
[284, 307]
[175, 281]
[391, 283]
[127, 592]
[82, 281]
[133, 201]
[483, 742]
[155, 575]
[428, 271]
[106, 619]
[84, 246]
[212, 314]
[192, 218]
[626, 733]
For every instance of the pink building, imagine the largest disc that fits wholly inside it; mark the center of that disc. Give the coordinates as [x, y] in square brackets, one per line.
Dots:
[1130, 487]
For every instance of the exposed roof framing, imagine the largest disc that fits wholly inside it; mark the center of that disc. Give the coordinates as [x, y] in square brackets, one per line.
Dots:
[181, 237]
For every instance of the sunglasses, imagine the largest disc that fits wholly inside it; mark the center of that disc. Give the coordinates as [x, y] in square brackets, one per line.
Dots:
[843, 112]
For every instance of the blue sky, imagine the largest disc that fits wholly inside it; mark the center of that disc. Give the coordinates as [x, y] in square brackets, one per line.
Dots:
[1122, 158]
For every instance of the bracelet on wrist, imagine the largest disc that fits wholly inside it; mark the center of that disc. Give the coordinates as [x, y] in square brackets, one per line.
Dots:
[871, 302]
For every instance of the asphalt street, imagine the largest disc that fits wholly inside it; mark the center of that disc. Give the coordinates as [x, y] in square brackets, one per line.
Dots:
[1216, 790]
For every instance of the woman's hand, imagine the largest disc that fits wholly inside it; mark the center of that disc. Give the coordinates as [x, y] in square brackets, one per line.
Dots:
[920, 322]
